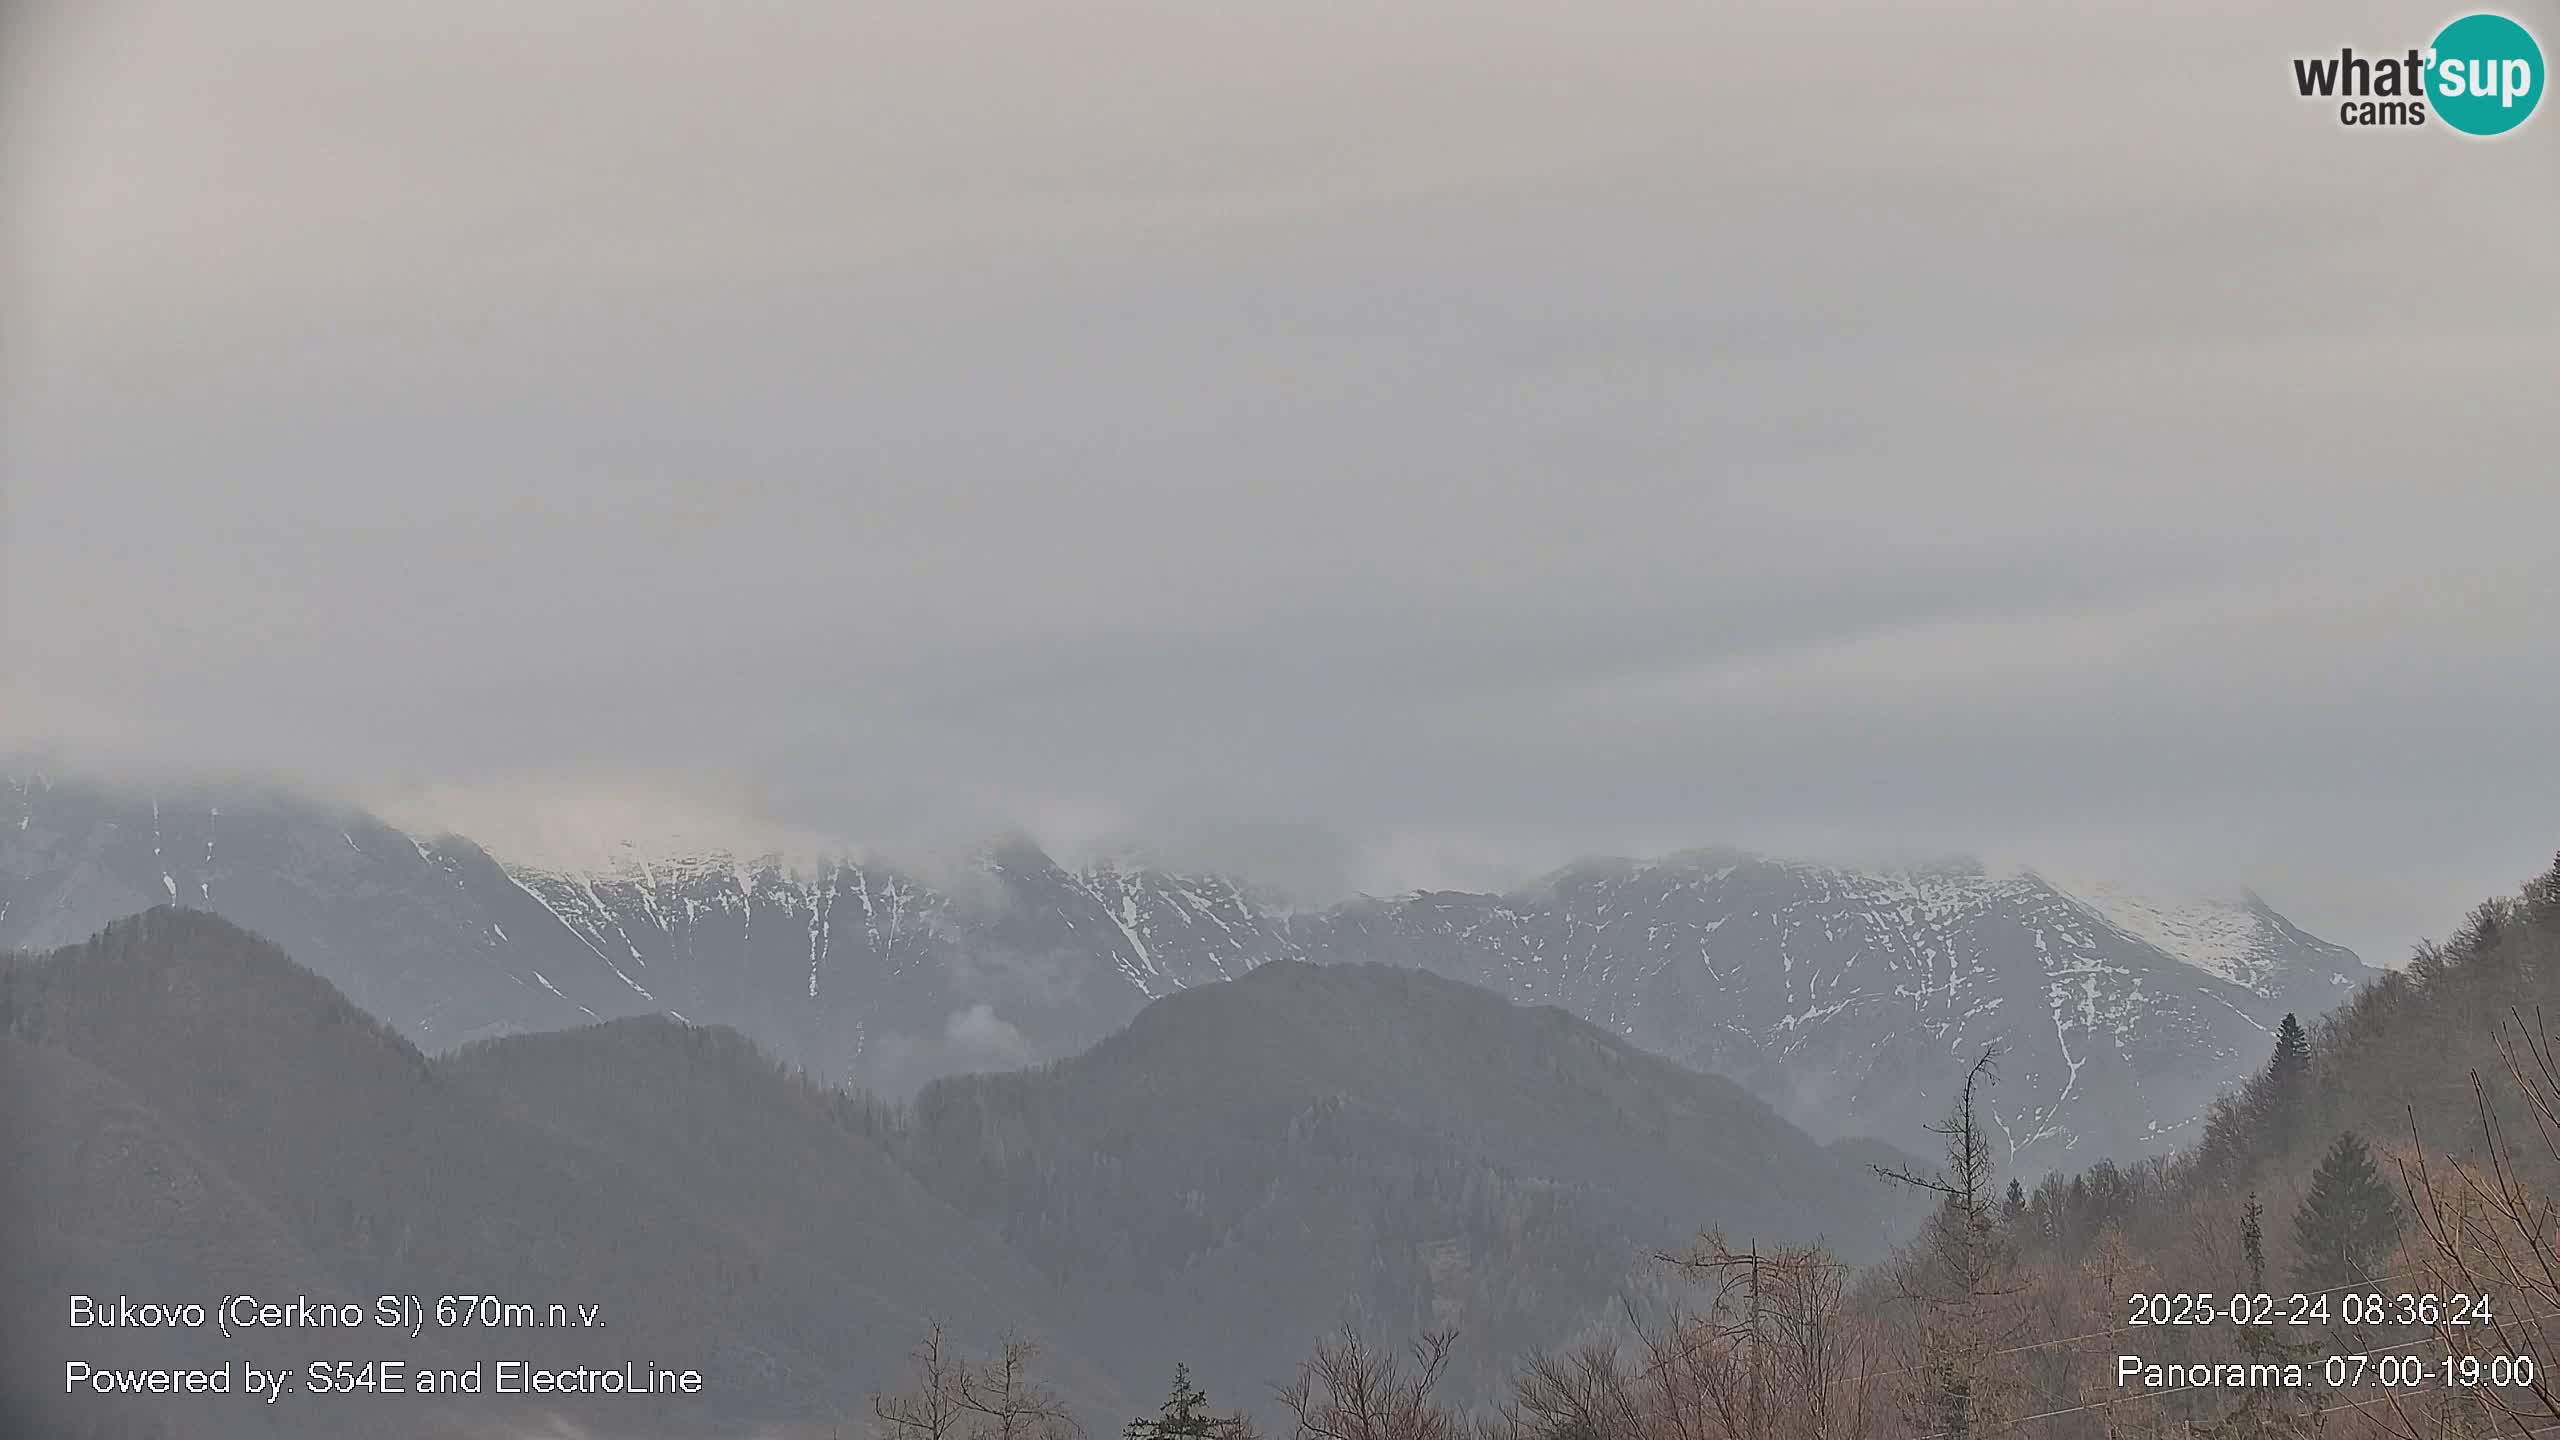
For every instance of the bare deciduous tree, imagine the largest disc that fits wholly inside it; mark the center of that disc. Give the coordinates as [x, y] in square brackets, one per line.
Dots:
[1351, 1390]
[954, 1398]
[1773, 1354]
[2482, 1229]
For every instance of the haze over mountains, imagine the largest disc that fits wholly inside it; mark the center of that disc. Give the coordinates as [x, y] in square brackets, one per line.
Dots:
[1848, 998]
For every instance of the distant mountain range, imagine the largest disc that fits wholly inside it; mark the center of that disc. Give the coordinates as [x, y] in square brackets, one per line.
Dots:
[192, 1115]
[1850, 999]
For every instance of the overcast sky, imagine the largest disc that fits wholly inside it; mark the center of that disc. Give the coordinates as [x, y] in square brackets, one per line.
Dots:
[1365, 445]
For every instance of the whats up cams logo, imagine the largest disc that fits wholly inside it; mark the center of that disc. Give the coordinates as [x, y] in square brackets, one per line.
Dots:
[2482, 75]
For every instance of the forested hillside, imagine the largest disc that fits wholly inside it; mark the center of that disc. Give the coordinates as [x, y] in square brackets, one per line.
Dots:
[193, 1115]
[1253, 1163]
[2390, 1181]
[2417, 1060]
[1246, 1169]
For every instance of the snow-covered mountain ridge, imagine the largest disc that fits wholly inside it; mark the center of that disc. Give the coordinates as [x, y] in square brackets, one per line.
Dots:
[1846, 995]
[1851, 998]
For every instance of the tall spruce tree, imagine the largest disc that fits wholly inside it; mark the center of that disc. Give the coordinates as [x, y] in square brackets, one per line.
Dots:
[2253, 1241]
[2288, 1083]
[1185, 1415]
[2350, 1220]
[2263, 1413]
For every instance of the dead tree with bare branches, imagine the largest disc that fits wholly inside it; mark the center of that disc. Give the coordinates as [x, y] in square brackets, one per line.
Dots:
[1958, 1275]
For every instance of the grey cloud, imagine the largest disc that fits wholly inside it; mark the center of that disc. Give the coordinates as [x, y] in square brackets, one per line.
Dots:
[1366, 452]
[983, 1035]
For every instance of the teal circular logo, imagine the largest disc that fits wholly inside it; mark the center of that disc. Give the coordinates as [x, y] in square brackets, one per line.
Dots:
[2484, 74]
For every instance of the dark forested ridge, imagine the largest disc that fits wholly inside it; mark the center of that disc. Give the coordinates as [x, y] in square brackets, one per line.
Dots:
[1245, 1155]
[215, 1118]
[1246, 1169]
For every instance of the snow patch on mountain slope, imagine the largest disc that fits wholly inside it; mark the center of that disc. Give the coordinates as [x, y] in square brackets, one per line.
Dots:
[2226, 940]
[1182, 929]
[585, 832]
[1840, 991]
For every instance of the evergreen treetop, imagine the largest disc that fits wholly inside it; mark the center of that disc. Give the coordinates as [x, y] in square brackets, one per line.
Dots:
[2253, 1241]
[2291, 1063]
[2348, 1222]
[1185, 1415]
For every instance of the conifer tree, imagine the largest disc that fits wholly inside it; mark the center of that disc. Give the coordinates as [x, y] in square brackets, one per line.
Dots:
[2350, 1220]
[1185, 1415]
[2262, 1413]
[2014, 1205]
[2288, 1082]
